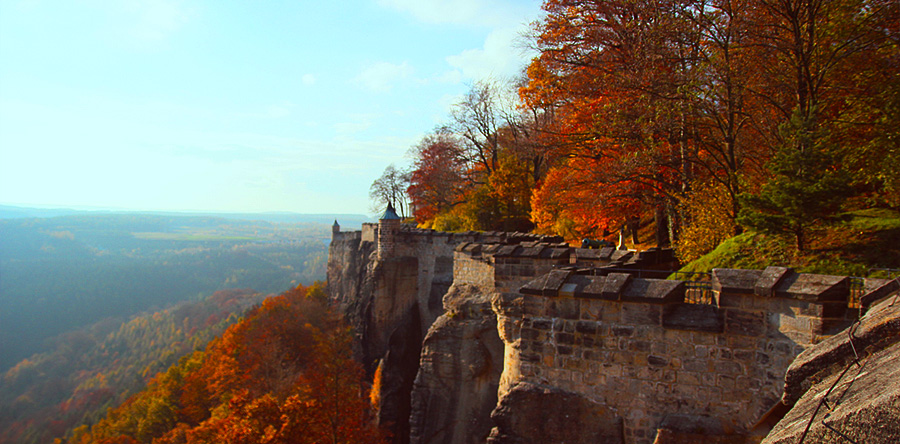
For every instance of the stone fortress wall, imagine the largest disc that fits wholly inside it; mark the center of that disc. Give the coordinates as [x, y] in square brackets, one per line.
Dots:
[639, 352]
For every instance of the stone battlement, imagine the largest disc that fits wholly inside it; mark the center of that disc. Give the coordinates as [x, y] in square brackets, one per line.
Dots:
[512, 316]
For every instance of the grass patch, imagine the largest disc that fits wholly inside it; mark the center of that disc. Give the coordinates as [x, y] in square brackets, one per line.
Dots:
[866, 240]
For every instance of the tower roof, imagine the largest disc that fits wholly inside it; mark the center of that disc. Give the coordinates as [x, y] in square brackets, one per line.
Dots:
[389, 213]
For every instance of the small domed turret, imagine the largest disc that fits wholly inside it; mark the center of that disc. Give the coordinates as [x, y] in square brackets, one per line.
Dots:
[389, 213]
[388, 225]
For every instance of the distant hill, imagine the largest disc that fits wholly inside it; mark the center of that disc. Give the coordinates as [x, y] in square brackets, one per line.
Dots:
[348, 220]
[59, 273]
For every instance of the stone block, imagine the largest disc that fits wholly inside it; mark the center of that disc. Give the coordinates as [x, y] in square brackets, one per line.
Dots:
[657, 361]
[654, 291]
[697, 365]
[565, 338]
[542, 324]
[693, 317]
[881, 292]
[745, 355]
[587, 341]
[606, 253]
[554, 280]
[614, 284]
[639, 346]
[587, 254]
[586, 327]
[734, 281]
[592, 310]
[728, 368]
[770, 277]
[746, 323]
[814, 287]
[641, 314]
[566, 308]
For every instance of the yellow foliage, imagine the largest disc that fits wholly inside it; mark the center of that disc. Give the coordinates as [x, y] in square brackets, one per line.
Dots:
[707, 212]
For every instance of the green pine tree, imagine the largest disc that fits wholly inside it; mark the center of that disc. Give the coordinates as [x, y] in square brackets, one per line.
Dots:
[807, 185]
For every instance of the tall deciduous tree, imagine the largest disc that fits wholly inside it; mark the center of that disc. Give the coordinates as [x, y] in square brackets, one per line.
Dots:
[438, 177]
[390, 188]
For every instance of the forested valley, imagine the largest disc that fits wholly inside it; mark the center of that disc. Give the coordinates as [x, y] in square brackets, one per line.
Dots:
[93, 368]
[283, 374]
[61, 273]
[94, 305]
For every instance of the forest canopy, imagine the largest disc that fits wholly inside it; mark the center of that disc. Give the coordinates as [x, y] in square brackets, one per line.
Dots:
[782, 113]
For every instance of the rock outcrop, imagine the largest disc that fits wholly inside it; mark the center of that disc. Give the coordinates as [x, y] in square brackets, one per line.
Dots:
[847, 388]
[462, 358]
[531, 413]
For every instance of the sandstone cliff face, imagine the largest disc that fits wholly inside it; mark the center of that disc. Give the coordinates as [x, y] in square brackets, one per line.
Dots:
[390, 302]
[532, 413]
[350, 283]
[462, 358]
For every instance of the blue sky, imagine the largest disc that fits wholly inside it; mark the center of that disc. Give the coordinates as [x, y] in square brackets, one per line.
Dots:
[233, 106]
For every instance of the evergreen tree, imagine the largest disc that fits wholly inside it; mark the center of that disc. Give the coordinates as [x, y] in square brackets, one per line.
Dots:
[806, 188]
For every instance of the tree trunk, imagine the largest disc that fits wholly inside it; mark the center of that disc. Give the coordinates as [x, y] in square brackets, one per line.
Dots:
[662, 226]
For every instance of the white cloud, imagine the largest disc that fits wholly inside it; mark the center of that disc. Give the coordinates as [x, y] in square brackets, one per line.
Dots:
[500, 57]
[381, 76]
[308, 79]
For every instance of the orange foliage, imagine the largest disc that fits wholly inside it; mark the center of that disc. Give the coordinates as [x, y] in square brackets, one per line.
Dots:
[282, 375]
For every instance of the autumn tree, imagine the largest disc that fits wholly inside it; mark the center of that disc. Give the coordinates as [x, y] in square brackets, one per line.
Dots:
[438, 177]
[816, 44]
[603, 68]
[282, 375]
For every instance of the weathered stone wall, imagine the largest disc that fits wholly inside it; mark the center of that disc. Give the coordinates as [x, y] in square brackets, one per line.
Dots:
[634, 347]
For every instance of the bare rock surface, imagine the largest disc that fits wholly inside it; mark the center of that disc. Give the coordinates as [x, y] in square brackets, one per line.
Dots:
[530, 413]
[462, 358]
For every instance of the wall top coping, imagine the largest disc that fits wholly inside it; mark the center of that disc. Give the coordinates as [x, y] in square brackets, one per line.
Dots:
[532, 249]
[773, 282]
[781, 282]
[615, 286]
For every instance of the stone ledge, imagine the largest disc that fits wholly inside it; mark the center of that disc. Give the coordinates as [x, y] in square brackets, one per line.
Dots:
[879, 328]
[725, 280]
[770, 278]
[883, 291]
[654, 291]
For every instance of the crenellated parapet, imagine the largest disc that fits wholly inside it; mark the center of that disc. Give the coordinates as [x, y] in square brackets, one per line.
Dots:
[644, 352]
